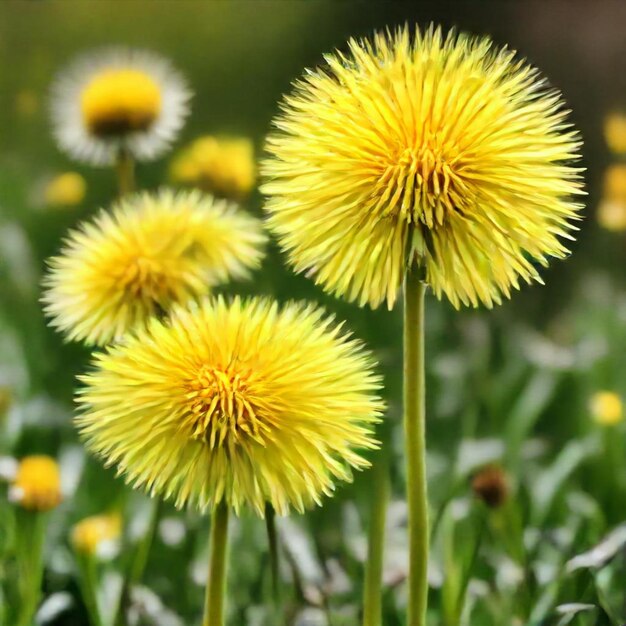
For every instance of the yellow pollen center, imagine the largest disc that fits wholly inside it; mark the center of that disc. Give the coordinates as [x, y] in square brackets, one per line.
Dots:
[120, 101]
[220, 408]
[421, 185]
[145, 279]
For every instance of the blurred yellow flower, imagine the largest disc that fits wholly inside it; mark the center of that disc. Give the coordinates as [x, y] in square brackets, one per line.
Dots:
[152, 251]
[222, 165]
[245, 402]
[614, 184]
[612, 214]
[615, 132]
[65, 190]
[91, 533]
[438, 149]
[118, 100]
[37, 485]
[606, 408]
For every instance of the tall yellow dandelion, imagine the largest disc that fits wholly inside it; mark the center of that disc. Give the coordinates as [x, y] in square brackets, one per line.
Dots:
[437, 160]
[233, 404]
[150, 252]
[441, 150]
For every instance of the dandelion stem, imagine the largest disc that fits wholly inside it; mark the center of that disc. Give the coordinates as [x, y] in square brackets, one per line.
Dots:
[142, 553]
[415, 437]
[272, 538]
[372, 598]
[30, 534]
[125, 168]
[218, 557]
[89, 586]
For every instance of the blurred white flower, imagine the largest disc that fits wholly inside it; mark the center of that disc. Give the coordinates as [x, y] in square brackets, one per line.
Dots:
[115, 100]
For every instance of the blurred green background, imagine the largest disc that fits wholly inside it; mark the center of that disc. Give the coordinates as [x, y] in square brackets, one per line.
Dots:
[500, 381]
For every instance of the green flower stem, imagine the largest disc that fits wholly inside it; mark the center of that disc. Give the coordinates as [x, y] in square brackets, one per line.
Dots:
[125, 168]
[135, 571]
[415, 438]
[218, 557]
[272, 539]
[30, 531]
[142, 553]
[89, 586]
[372, 597]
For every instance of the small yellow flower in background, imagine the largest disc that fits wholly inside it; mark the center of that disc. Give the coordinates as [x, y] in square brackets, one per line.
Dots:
[65, 190]
[614, 184]
[245, 402]
[611, 215]
[615, 132]
[223, 166]
[606, 408]
[90, 534]
[611, 212]
[37, 485]
[118, 99]
[441, 149]
[150, 252]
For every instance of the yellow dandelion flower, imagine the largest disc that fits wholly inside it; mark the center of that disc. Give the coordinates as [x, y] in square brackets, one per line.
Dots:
[37, 485]
[65, 190]
[222, 165]
[119, 99]
[152, 251]
[90, 534]
[606, 408]
[615, 132]
[242, 402]
[440, 149]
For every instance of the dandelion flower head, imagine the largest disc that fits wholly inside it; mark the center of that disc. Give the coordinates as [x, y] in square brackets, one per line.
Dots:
[150, 252]
[118, 100]
[245, 402]
[223, 166]
[37, 484]
[92, 533]
[65, 190]
[606, 408]
[441, 150]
